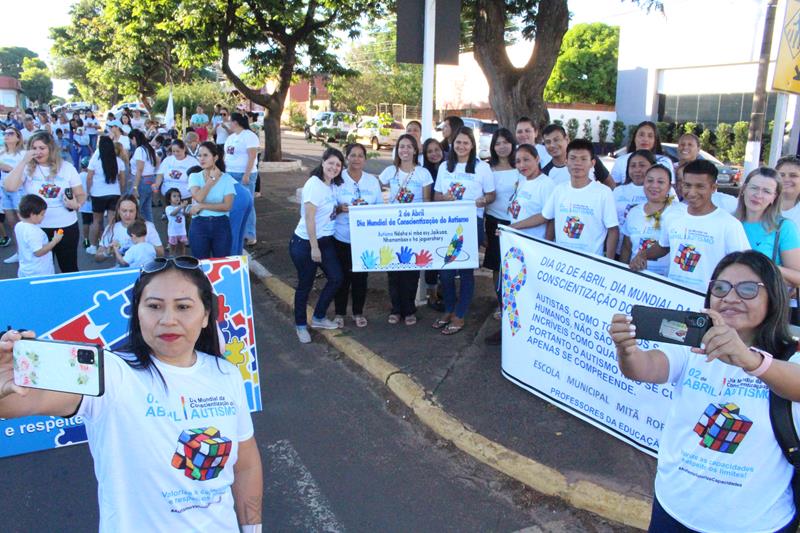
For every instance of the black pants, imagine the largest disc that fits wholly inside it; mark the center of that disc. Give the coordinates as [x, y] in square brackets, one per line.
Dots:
[66, 251]
[355, 280]
[403, 292]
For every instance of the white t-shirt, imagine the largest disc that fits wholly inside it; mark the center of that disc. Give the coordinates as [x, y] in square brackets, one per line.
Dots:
[793, 214]
[544, 155]
[138, 123]
[719, 465]
[30, 239]
[125, 141]
[725, 201]
[86, 206]
[99, 185]
[139, 254]
[175, 174]
[27, 134]
[126, 129]
[582, 216]
[620, 167]
[505, 184]
[464, 186]
[141, 155]
[119, 233]
[52, 191]
[222, 133]
[10, 159]
[406, 187]
[91, 125]
[236, 146]
[559, 175]
[366, 192]
[643, 234]
[529, 200]
[146, 484]
[176, 223]
[62, 127]
[323, 198]
[697, 243]
[625, 197]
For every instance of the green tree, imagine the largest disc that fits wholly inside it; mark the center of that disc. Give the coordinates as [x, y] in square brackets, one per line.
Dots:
[11, 58]
[377, 77]
[35, 80]
[586, 69]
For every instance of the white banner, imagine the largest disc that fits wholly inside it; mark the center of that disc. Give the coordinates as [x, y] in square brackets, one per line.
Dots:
[556, 308]
[418, 236]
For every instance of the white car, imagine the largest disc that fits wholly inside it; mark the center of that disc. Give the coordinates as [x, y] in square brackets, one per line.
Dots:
[371, 132]
[334, 124]
[131, 106]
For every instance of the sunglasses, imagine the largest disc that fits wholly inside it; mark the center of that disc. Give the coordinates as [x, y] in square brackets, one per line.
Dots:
[9, 133]
[747, 290]
[184, 262]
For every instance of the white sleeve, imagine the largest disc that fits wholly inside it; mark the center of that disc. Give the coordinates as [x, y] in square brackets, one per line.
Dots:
[548, 211]
[152, 235]
[610, 219]
[487, 177]
[163, 168]
[427, 179]
[620, 168]
[736, 240]
[385, 175]
[677, 357]
[313, 194]
[251, 141]
[440, 178]
[69, 173]
[663, 237]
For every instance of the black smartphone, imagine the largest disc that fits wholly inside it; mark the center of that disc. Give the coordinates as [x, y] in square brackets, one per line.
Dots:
[68, 195]
[685, 328]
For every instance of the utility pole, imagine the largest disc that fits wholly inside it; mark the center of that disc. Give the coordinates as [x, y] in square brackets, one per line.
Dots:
[753, 151]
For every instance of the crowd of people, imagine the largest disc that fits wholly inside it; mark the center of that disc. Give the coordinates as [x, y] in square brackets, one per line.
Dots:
[99, 185]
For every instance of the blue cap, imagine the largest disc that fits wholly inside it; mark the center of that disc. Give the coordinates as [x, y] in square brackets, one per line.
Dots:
[116, 123]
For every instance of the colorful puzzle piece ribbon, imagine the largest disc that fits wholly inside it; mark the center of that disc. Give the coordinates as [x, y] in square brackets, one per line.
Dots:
[512, 285]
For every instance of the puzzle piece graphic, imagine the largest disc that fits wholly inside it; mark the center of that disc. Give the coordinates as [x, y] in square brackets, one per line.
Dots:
[104, 323]
[70, 435]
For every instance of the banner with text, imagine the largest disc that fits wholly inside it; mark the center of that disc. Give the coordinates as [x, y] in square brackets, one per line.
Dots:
[557, 305]
[421, 236]
[95, 307]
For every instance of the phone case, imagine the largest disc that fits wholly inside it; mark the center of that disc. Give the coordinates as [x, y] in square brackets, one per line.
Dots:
[59, 366]
[685, 328]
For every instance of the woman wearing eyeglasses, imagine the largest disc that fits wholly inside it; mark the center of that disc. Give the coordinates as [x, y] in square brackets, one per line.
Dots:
[767, 230]
[738, 480]
[172, 361]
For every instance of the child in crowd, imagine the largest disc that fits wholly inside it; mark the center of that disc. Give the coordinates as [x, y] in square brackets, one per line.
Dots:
[141, 253]
[86, 208]
[64, 145]
[35, 252]
[176, 222]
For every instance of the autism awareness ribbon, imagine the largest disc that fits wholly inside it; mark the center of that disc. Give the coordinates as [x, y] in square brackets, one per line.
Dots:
[512, 285]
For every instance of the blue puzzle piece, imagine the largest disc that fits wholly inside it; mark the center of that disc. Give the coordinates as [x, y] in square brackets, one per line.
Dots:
[71, 435]
[111, 314]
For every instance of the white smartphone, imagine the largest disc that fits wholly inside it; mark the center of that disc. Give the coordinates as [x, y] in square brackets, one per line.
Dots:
[60, 366]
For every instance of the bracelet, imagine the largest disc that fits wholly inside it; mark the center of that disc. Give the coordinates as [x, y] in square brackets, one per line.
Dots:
[765, 363]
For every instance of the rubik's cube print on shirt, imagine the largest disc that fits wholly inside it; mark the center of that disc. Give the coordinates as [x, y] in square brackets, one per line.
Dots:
[573, 227]
[687, 258]
[722, 428]
[201, 453]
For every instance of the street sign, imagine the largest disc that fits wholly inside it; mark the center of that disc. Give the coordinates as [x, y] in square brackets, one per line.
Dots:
[787, 68]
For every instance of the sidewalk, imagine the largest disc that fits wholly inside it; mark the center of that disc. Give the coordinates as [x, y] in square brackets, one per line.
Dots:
[462, 375]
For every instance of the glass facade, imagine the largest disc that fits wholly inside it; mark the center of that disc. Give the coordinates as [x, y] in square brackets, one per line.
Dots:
[709, 109]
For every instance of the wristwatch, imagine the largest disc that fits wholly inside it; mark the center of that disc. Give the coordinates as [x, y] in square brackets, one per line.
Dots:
[765, 363]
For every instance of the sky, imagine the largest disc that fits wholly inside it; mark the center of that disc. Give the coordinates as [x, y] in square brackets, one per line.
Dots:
[50, 13]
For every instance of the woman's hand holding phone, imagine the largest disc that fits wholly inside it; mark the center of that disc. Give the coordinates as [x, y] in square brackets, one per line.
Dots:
[7, 385]
[723, 342]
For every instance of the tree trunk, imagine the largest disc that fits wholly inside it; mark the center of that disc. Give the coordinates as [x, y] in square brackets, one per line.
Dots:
[272, 131]
[516, 92]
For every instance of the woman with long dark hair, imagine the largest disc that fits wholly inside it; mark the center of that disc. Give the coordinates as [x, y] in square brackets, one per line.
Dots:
[105, 179]
[241, 160]
[173, 357]
[432, 158]
[143, 166]
[450, 128]
[212, 191]
[506, 180]
[645, 137]
[312, 244]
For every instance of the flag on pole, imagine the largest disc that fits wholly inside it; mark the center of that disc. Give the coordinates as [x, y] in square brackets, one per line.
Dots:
[169, 117]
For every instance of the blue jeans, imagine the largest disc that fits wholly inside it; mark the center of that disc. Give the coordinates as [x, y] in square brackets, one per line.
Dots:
[250, 225]
[93, 142]
[448, 279]
[210, 237]
[146, 200]
[300, 251]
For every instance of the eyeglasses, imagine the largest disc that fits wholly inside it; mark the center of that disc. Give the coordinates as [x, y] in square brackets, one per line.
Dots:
[184, 262]
[755, 189]
[747, 290]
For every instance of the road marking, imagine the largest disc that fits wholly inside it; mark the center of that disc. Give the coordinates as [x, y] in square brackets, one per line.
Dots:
[288, 475]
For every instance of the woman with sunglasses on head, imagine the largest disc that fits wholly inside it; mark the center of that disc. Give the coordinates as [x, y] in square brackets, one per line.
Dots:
[408, 182]
[212, 198]
[125, 213]
[42, 172]
[312, 244]
[173, 353]
[357, 188]
[747, 355]
[768, 232]
[12, 154]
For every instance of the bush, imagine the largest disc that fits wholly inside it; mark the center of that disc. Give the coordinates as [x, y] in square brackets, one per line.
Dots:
[692, 127]
[707, 141]
[724, 134]
[587, 129]
[297, 117]
[602, 130]
[572, 128]
[559, 122]
[739, 147]
[618, 135]
[665, 130]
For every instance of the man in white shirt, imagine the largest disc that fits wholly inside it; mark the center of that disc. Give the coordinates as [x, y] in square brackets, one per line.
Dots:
[556, 141]
[700, 238]
[581, 213]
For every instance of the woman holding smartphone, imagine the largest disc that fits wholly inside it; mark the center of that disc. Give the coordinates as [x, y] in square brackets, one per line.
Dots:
[173, 353]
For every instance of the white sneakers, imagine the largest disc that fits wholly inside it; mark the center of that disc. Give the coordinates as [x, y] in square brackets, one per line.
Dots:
[323, 323]
[13, 259]
[303, 335]
[317, 323]
[91, 250]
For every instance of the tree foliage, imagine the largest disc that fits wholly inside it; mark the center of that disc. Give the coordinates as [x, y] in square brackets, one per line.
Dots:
[11, 58]
[378, 77]
[35, 80]
[586, 69]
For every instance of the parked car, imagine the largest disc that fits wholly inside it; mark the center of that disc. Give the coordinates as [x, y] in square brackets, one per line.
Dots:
[728, 176]
[131, 106]
[331, 125]
[371, 131]
[483, 130]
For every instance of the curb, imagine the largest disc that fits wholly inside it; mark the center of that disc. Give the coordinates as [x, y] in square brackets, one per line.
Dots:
[581, 494]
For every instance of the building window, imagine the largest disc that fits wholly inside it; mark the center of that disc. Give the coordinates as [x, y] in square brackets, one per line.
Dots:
[711, 109]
